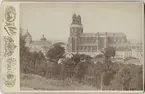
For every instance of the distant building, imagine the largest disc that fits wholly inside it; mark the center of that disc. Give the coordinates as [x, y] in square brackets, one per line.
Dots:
[123, 53]
[90, 43]
[42, 45]
[127, 50]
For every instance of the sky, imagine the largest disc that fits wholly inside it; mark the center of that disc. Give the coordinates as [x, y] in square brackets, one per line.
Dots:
[54, 19]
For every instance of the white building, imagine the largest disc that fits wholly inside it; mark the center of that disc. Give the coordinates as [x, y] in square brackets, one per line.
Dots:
[125, 53]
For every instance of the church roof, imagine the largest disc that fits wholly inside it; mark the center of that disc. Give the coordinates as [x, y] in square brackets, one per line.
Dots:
[121, 44]
[116, 34]
[102, 34]
[88, 35]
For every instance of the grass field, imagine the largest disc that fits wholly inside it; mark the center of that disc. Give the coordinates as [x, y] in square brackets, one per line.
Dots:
[35, 82]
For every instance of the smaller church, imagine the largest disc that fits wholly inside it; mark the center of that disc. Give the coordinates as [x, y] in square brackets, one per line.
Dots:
[42, 45]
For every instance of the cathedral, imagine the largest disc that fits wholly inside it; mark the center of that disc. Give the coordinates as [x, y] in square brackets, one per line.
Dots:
[87, 43]
[91, 43]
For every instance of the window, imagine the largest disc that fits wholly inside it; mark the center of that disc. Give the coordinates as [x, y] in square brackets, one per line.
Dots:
[94, 48]
[82, 47]
[89, 47]
[85, 48]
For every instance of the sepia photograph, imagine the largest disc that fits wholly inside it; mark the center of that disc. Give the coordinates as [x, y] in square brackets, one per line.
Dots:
[81, 46]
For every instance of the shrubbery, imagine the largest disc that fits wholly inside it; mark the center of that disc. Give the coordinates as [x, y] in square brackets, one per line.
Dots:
[113, 76]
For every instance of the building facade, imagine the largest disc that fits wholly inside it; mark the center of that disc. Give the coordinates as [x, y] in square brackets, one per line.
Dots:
[42, 45]
[90, 43]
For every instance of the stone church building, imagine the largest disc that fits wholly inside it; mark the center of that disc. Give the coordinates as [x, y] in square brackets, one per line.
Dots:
[91, 43]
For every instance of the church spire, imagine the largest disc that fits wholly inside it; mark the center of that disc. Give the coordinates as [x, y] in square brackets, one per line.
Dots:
[74, 18]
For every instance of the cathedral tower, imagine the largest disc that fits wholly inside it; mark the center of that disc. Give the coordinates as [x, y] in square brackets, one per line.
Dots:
[76, 29]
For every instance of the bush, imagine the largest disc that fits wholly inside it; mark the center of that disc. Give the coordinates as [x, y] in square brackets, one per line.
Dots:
[128, 58]
[129, 77]
[99, 56]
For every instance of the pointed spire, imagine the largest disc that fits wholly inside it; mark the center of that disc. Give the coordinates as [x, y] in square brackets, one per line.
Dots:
[27, 34]
[74, 18]
[74, 15]
[79, 20]
[79, 16]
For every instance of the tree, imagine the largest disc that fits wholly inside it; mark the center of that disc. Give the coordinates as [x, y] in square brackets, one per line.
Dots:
[27, 58]
[24, 54]
[122, 79]
[109, 52]
[125, 78]
[23, 49]
[107, 64]
[36, 57]
[129, 77]
[136, 82]
[56, 52]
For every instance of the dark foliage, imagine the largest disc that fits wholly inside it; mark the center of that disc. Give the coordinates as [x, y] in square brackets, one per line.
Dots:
[129, 77]
[109, 52]
[56, 52]
[116, 76]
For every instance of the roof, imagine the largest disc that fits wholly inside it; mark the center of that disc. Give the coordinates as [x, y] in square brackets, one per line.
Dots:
[41, 43]
[103, 34]
[121, 44]
[123, 49]
[88, 34]
[27, 34]
[116, 34]
[61, 43]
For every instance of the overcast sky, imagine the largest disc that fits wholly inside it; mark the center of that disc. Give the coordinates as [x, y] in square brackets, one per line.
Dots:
[53, 20]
